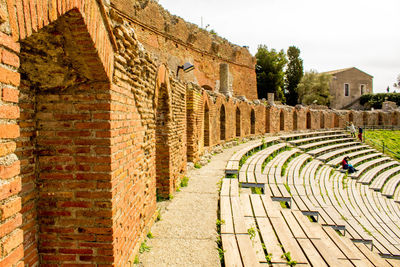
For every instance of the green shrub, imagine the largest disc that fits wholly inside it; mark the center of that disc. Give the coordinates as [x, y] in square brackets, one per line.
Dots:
[376, 100]
[185, 181]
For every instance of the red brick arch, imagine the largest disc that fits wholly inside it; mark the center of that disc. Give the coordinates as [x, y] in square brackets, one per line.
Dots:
[238, 122]
[95, 43]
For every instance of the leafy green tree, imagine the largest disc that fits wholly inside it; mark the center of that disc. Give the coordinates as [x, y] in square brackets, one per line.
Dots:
[294, 73]
[269, 71]
[314, 88]
[397, 83]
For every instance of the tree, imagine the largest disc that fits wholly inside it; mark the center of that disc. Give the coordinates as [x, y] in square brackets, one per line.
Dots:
[294, 73]
[269, 71]
[314, 88]
[397, 83]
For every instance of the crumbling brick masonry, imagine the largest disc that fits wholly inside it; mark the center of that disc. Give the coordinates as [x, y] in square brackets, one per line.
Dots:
[94, 125]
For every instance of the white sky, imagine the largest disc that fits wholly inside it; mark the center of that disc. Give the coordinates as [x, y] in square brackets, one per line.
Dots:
[330, 34]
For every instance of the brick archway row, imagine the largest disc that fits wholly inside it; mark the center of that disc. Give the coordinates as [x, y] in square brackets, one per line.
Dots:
[267, 119]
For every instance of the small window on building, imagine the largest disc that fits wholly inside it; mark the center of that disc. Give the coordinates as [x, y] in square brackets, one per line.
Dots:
[346, 89]
[362, 88]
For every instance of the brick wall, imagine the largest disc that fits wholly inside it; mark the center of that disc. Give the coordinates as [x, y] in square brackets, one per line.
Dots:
[24, 164]
[196, 121]
[134, 171]
[175, 41]
[91, 126]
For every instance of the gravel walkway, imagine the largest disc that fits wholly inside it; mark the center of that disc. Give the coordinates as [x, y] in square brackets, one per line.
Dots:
[186, 234]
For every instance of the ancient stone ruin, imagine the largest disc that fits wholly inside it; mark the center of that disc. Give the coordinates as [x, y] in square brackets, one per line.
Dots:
[94, 122]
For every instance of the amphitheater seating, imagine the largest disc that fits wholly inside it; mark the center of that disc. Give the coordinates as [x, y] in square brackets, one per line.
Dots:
[306, 203]
[335, 160]
[337, 153]
[251, 171]
[386, 170]
[364, 167]
[296, 136]
[313, 139]
[310, 146]
[232, 166]
[234, 233]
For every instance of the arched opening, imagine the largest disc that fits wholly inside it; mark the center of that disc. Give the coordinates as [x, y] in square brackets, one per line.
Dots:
[365, 118]
[207, 87]
[163, 119]
[206, 125]
[308, 120]
[336, 120]
[65, 136]
[281, 121]
[238, 122]
[395, 118]
[294, 120]
[252, 122]
[351, 117]
[380, 119]
[222, 123]
[322, 120]
[267, 120]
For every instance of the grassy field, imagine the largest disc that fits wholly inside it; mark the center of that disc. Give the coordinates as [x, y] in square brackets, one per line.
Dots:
[390, 138]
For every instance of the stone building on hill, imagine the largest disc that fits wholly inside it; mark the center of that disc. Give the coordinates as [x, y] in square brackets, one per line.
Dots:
[347, 86]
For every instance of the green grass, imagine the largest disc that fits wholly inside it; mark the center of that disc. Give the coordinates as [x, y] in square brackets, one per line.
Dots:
[150, 235]
[184, 181]
[144, 247]
[256, 190]
[252, 233]
[197, 165]
[390, 138]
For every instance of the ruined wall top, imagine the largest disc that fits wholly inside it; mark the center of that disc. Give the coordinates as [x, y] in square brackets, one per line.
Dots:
[174, 41]
[151, 14]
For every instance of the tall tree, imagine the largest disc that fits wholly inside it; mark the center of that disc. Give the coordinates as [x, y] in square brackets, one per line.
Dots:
[397, 83]
[269, 71]
[314, 88]
[294, 73]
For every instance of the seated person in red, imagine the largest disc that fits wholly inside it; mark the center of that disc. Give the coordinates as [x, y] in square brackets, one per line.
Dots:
[347, 166]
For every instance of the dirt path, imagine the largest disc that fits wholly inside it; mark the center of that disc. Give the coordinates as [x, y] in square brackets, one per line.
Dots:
[186, 234]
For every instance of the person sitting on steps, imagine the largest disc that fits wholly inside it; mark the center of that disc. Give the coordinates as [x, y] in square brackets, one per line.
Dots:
[347, 166]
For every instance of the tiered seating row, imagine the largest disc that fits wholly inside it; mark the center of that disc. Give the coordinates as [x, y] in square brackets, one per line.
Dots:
[233, 165]
[250, 174]
[357, 227]
[257, 230]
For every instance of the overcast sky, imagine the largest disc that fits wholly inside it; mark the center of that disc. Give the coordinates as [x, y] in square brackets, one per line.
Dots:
[330, 34]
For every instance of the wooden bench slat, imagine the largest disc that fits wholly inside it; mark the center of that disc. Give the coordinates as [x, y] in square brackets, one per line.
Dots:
[372, 257]
[226, 215]
[287, 240]
[225, 187]
[312, 254]
[344, 244]
[234, 188]
[271, 242]
[231, 250]
[246, 205]
[247, 252]
[257, 206]
[238, 218]
[256, 242]
[269, 207]
[307, 226]
[292, 224]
